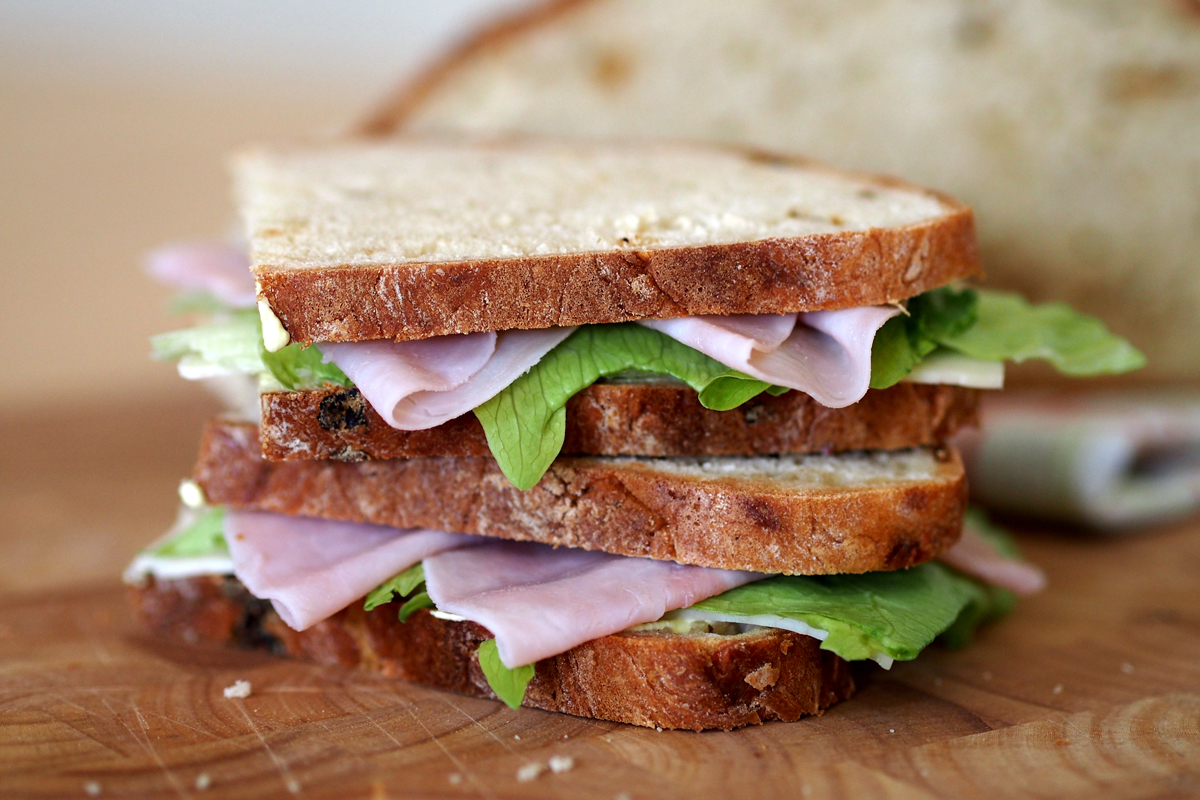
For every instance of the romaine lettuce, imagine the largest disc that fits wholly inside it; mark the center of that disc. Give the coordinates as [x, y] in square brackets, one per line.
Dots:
[896, 614]
[204, 535]
[508, 684]
[526, 422]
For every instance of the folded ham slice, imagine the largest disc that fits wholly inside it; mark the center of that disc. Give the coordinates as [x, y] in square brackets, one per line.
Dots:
[539, 601]
[422, 384]
[825, 354]
[312, 568]
[220, 269]
[979, 558]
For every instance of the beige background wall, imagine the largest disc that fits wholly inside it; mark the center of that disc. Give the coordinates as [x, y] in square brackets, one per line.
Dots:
[115, 119]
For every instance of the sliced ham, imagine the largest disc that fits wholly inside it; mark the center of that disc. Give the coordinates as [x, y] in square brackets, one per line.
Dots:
[539, 601]
[421, 384]
[218, 268]
[825, 354]
[979, 558]
[312, 568]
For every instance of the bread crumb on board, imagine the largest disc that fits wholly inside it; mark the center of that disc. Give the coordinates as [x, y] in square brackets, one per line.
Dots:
[534, 769]
[203, 781]
[561, 764]
[239, 691]
[92, 788]
[530, 772]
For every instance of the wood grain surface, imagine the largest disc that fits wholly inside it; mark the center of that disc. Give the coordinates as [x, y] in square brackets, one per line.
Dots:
[1091, 689]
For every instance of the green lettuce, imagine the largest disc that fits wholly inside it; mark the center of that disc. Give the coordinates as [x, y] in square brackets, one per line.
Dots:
[400, 586]
[1008, 328]
[903, 341]
[526, 422]
[996, 326]
[204, 535]
[892, 613]
[233, 343]
[298, 367]
[508, 684]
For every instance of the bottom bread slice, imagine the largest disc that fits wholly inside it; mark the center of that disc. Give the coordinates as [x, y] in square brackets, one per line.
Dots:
[652, 678]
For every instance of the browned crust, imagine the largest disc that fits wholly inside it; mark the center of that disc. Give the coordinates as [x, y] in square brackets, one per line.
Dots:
[615, 419]
[596, 504]
[770, 276]
[387, 117]
[697, 681]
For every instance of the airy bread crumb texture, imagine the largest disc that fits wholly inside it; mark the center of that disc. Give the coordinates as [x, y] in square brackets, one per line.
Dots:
[441, 200]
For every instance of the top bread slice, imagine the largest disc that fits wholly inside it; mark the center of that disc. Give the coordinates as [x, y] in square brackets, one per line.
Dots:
[424, 237]
[1069, 125]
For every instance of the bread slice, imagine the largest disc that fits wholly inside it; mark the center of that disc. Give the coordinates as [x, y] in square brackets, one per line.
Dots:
[1068, 125]
[641, 419]
[655, 679]
[810, 514]
[418, 238]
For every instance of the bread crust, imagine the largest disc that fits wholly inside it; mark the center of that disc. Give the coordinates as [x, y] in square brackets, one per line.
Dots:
[692, 681]
[602, 504]
[646, 419]
[349, 303]
[387, 117]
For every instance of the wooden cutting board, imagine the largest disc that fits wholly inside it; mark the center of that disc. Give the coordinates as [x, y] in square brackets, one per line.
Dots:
[1091, 689]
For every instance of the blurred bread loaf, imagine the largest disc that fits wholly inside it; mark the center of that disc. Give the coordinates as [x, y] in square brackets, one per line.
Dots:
[1072, 126]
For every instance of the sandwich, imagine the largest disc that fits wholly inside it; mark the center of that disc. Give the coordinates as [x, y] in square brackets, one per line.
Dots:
[653, 433]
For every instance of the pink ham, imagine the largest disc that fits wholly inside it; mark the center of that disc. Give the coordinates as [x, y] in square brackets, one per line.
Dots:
[312, 568]
[220, 269]
[421, 384]
[979, 558]
[825, 354]
[539, 601]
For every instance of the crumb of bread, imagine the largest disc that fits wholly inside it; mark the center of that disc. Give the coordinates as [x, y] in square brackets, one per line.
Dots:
[92, 788]
[1058, 689]
[530, 772]
[456, 778]
[561, 764]
[240, 690]
[203, 781]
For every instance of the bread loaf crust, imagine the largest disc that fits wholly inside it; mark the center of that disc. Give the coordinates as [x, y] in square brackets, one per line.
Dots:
[610, 505]
[350, 303]
[693, 681]
[647, 419]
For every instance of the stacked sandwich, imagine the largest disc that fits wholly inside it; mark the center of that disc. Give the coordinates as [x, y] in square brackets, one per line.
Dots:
[652, 433]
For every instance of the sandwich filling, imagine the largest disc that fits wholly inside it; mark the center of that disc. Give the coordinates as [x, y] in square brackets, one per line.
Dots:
[518, 382]
[538, 601]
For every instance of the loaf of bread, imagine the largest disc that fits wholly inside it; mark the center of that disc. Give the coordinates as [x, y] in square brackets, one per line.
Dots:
[1069, 125]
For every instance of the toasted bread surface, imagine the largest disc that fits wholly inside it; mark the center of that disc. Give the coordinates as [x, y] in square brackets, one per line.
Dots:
[427, 237]
[806, 514]
[641, 419]
[693, 681]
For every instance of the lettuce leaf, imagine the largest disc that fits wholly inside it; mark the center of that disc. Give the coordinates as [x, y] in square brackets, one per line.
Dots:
[231, 344]
[904, 340]
[401, 585]
[508, 684]
[205, 535]
[896, 614]
[1009, 328]
[525, 423]
[298, 367]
